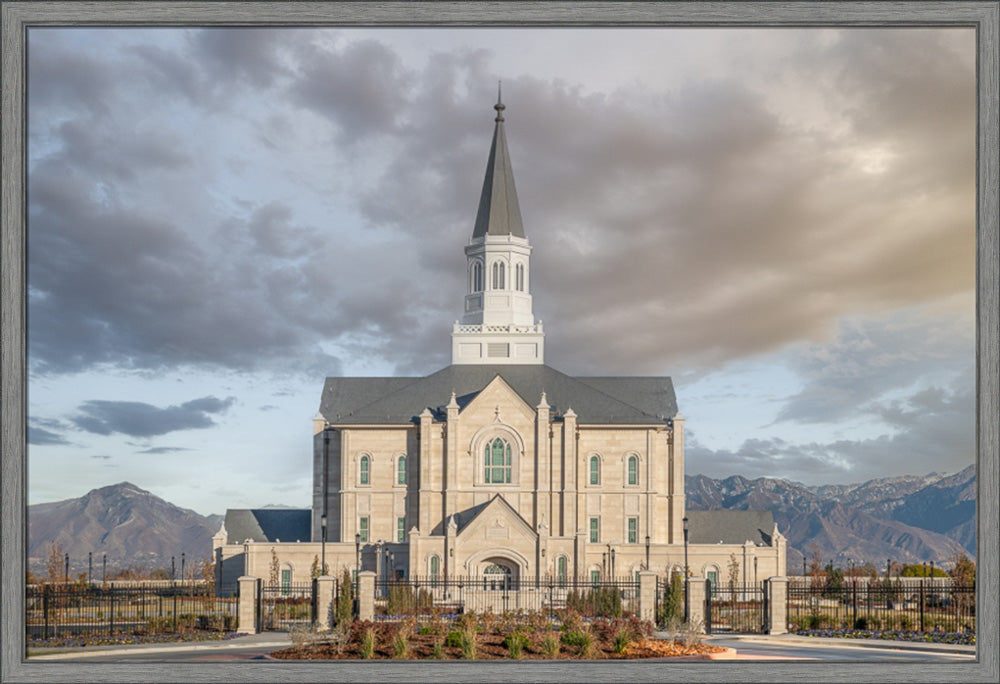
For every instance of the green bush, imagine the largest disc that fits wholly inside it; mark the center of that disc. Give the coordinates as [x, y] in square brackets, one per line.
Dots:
[515, 642]
[861, 623]
[454, 639]
[368, 644]
[550, 645]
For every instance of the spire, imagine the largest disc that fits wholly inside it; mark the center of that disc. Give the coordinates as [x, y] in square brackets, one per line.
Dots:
[499, 213]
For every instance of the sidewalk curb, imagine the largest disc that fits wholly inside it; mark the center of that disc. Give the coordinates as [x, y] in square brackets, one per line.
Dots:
[864, 643]
[181, 646]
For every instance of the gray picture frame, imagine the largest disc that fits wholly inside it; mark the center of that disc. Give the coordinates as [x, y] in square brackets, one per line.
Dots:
[19, 17]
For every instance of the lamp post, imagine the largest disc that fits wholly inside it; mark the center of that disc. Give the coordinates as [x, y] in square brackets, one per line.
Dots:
[687, 602]
[173, 569]
[755, 572]
[612, 563]
[357, 555]
[647, 552]
[326, 482]
[686, 571]
[66, 570]
[105, 576]
[90, 565]
[182, 566]
[888, 568]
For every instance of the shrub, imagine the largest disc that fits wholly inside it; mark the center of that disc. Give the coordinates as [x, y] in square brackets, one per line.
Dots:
[861, 623]
[454, 639]
[467, 639]
[550, 646]
[368, 644]
[345, 599]
[515, 642]
[572, 622]
[438, 651]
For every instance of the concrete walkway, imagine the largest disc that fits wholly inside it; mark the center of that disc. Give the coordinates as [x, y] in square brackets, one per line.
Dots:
[265, 641]
[834, 641]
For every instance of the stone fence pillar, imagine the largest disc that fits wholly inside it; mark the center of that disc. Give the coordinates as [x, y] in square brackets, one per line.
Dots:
[647, 596]
[696, 603]
[325, 602]
[246, 608]
[366, 595]
[777, 602]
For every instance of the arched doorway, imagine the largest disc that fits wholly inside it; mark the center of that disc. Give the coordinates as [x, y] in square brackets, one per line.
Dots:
[499, 574]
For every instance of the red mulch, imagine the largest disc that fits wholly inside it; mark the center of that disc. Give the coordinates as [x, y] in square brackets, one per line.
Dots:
[490, 647]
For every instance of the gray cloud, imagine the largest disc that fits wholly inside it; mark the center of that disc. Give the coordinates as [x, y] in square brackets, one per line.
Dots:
[932, 430]
[872, 357]
[40, 436]
[138, 419]
[671, 231]
[162, 450]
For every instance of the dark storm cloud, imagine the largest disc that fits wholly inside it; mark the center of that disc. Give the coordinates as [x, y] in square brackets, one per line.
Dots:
[670, 231]
[359, 87]
[138, 419]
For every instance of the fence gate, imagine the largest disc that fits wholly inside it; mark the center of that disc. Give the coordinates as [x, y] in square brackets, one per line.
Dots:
[736, 608]
[286, 605]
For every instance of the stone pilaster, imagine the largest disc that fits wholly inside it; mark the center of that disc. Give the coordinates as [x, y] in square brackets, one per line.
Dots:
[246, 608]
[366, 595]
[777, 603]
[647, 596]
[451, 459]
[326, 606]
[543, 471]
[696, 604]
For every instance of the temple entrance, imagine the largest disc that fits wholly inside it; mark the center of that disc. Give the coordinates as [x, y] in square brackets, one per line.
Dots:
[496, 577]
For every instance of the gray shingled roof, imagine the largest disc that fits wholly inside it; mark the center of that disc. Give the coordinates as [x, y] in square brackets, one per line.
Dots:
[730, 527]
[622, 400]
[499, 212]
[268, 524]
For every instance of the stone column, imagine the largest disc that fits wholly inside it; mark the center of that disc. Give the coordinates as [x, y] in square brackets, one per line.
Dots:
[366, 595]
[647, 596]
[246, 608]
[777, 602]
[325, 602]
[696, 603]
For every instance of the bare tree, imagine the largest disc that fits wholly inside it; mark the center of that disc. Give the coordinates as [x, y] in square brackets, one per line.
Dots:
[275, 569]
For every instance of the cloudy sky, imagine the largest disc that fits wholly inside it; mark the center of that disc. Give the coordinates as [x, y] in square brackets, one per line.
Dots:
[781, 220]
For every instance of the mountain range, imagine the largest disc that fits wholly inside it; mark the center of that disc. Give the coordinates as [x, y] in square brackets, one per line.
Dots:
[907, 519]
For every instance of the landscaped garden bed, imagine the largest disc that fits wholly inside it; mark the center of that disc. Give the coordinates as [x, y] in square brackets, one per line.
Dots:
[489, 637]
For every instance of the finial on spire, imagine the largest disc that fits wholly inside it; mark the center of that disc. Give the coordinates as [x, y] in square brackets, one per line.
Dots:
[499, 106]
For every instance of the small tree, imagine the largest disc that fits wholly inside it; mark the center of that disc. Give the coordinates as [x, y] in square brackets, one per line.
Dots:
[275, 572]
[672, 610]
[345, 603]
[54, 567]
[314, 570]
[963, 569]
[734, 571]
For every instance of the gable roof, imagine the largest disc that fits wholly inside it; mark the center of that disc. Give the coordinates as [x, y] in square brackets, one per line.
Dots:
[463, 522]
[268, 524]
[613, 400]
[730, 527]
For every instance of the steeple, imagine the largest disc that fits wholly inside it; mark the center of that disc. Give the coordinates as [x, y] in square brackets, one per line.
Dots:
[498, 326]
[499, 213]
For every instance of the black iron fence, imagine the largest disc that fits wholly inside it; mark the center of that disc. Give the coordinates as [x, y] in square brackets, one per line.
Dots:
[108, 609]
[286, 605]
[734, 607]
[925, 606]
[616, 597]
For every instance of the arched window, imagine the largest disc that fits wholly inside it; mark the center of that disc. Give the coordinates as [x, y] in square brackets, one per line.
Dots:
[497, 461]
[401, 470]
[519, 277]
[595, 470]
[477, 276]
[364, 470]
[633, 470]
[434, 568]
[498, 275]
[561, 570]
